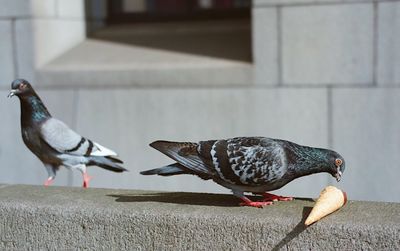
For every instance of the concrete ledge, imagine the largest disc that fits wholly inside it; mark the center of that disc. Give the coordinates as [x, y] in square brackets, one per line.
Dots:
[59, 218]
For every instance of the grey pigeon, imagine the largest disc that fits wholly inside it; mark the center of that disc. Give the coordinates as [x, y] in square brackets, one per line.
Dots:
[248, 164]
[53, 142]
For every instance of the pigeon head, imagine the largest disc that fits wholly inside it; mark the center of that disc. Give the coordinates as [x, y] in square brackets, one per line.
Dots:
[20, 87]
[337, 165]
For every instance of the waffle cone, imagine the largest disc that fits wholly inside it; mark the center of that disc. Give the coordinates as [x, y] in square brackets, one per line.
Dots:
[330, 200]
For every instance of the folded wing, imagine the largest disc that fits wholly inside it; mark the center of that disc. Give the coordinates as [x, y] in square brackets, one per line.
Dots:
[64, 140]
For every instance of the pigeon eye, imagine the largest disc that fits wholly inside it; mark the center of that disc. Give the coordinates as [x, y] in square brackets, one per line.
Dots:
[338, 162]
[22, 86]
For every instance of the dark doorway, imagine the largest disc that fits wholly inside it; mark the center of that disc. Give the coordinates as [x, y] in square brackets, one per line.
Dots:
[212, 28]
[123, 11]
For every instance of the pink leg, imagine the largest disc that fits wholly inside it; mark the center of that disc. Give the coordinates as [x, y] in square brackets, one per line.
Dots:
[86, 179]
[249, 203]
[273, 197]
[48, 182]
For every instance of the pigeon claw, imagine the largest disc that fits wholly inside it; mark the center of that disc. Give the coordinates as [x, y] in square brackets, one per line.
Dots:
[258, 204]
[248, 203]
[86, 179]
[48, 182]
[273, 197]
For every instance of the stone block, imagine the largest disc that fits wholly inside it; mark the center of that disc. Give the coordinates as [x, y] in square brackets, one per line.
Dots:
[27, 8]
[43, 8]
[71, 9]
[366, 132]
[327, 44]
[14, 8]
[7, 63]
[52, 40]
[41, 40]
[265, 45]
[24, 42]
[388, 44]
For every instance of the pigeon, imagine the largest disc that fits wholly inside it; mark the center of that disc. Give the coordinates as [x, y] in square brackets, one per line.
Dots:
[248, 164]
[53, 142]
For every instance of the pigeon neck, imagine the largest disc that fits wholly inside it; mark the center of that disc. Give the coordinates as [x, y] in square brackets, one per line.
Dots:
[309, 161]
[33, 109]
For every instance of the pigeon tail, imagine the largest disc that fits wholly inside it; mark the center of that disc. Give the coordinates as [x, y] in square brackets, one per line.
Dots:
[102, 151]
[185, 153]
[173, 169]
[108, 163]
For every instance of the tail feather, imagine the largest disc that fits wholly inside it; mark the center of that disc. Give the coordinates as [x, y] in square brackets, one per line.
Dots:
[102, 151]
[173, 169]
[114, 159]
[108, 163]
[185, 153]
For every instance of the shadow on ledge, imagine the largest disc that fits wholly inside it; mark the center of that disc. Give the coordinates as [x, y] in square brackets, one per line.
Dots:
[300, 227]
[184, 198]
[181, 198]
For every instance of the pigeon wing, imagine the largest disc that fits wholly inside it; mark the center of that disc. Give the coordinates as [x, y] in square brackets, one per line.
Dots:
[249, 160]
[64, 140]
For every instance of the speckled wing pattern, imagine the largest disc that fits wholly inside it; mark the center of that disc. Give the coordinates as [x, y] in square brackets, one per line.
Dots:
[248, 160]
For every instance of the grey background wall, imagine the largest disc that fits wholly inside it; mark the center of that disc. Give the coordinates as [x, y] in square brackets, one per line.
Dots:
[325, 74]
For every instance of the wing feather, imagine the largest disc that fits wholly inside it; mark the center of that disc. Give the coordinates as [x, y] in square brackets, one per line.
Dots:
[64, 140]
[256, 160]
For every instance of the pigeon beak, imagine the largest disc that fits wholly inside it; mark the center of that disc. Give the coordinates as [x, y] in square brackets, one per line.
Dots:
[11, 94]
[338, 175]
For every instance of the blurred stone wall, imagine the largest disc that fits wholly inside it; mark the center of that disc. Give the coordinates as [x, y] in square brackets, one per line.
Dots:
[347, 51]
[326, 74]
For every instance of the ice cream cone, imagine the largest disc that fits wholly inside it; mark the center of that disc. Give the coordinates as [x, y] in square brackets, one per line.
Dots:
[330, 200]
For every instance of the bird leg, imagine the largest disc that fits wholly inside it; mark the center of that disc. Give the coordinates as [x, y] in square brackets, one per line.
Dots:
[48, 182]
[51, 174]
[273, 197]
[247, 202]
[86, 179]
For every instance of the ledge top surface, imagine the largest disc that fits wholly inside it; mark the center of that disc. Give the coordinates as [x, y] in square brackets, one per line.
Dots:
[182, 204]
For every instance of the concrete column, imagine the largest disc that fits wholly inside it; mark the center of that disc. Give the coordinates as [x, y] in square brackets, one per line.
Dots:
[36, 31]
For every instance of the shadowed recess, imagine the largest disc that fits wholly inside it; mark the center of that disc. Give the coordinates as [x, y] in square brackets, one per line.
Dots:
[229, 39]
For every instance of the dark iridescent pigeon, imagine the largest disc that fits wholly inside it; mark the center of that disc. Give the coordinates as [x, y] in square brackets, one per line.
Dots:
[248, 164]
[53, 142]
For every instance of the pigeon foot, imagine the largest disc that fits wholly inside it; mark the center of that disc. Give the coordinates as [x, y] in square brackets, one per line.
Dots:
[273, 197]
[48, 182]
[259, 204]
[86, 179]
